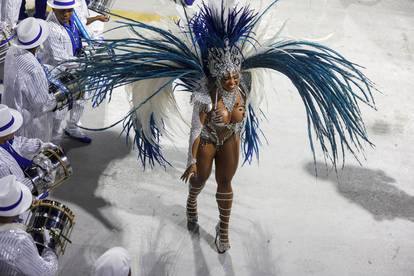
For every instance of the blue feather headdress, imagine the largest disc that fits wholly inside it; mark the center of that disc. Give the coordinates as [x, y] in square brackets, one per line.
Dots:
[330, 86]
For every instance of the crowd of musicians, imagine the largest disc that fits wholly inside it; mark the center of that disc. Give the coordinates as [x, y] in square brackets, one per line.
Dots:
[32, 124]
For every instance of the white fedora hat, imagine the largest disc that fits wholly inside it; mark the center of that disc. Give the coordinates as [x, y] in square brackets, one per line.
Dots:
[31, 32]
[10, 120]
[114, 262]
[63, 4]
[15, 198]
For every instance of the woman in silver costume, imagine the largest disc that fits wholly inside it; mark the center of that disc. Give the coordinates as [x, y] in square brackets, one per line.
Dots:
[218, 118]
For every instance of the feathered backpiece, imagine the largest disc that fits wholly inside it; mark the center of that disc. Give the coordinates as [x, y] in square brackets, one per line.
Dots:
[218, 39]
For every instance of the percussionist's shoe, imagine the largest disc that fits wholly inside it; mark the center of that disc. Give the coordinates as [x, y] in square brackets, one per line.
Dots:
[78, 135]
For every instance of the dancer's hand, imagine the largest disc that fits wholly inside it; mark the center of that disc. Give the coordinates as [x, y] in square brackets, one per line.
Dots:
[189, 172]
[217, 118]
[48, 146]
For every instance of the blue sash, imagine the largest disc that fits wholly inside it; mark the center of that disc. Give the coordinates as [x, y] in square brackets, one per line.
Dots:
[23, 162]
[74, 35]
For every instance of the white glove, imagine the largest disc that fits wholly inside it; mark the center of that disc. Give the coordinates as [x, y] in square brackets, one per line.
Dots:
[48, 146]
[49, 240]
[50, 177]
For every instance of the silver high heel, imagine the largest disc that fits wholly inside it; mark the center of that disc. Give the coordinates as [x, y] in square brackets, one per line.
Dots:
[221, 245]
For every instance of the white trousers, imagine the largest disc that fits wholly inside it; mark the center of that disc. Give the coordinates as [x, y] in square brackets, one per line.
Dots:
[75, 115]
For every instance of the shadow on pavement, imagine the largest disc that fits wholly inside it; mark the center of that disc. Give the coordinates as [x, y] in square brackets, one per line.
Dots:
[260, 260]
[89, 163]
[373, 190]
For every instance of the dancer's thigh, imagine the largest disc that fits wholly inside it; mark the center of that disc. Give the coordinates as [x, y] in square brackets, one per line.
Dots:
[227, 160]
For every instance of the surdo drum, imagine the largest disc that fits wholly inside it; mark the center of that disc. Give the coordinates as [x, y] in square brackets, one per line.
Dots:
[50, 224]
[50, 168]
[66, 90]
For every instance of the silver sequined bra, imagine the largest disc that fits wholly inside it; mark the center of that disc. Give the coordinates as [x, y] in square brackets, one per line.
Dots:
[19, 255]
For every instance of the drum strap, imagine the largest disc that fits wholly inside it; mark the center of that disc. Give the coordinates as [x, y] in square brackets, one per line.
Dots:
[74, 35]
[23, 162]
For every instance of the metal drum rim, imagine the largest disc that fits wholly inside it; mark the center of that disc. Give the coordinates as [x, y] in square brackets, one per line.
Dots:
[51, 203]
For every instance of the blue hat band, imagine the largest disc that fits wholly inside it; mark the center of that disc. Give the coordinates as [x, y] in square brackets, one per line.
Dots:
[11, 207]
[8, 125]
[63, 4]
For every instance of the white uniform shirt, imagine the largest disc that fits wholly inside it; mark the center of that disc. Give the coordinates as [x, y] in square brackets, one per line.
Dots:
[19, 255]
[26, 89]
[58, 46]
[94, 29]
[27, 148]
[9, 11]
[83, 12]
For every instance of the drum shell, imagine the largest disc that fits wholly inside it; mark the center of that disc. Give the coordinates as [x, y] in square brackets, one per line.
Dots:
[52, 216]
[61, 96]
[57, 163]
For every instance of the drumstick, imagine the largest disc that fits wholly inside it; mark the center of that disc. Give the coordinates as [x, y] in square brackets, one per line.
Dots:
[60, 235]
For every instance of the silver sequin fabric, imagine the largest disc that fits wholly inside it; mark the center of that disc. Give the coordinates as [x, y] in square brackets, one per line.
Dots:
[19, 255]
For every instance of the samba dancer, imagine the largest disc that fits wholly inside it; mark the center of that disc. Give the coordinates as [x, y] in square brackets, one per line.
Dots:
[16, 152]
[218, 55]
[218, 119]
[18, 254]
[26, 86]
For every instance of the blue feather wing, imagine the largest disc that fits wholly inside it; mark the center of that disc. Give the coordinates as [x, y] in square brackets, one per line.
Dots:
[331, 88]
[153, 54]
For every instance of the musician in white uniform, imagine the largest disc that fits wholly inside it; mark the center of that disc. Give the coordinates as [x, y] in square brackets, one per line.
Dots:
[64, 43]
[9, 15]
[16, 152]
[18, 252]
[26, 87]
[9, 11]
